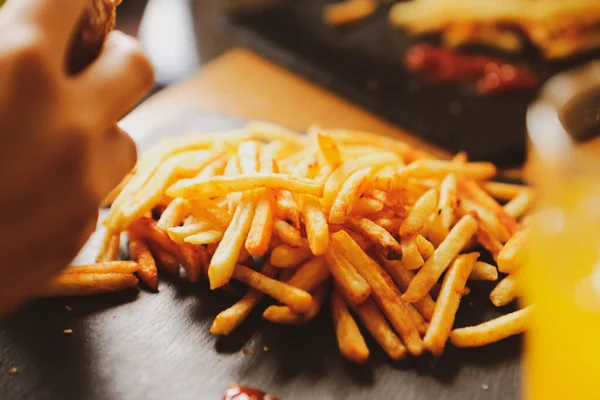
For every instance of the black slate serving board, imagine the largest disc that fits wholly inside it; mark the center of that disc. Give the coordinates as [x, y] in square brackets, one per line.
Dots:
[364, 62]
[137, 345]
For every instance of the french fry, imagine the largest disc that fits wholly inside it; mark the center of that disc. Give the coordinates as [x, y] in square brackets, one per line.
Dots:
[441, 258]
[315, 222]
[461, 157]
[472, 191]
[288, 234]
[348, 11]
[310, 275]
[390, 178]
[384, 292]
[493, 330]
[223, 261]
[165, 261]
[520, 204]
[389, 224]
[379, 236]
[110, 248]
[509, 258]
[287, 209]
[205, 237]
[492, 224]
[184, 165]
[364, 243]
[174, 214]
[107, 267]
[478, 171]
[266, 131]
[488, 240]
[402, 277]
[285, 315]
[502, 191]
[435, 232]
[349, 193]
[448, 202]
[284, 256]
[483, 271]
[248, 153]
[229, 319]
[425, 247]
[87, 284]
[435, 291]
[261, 229]
[178, 234]
[329, 149]
[505, 291]
[140, 253]
[419, 214]
[222, 185]
[350, 341]
[447, 303]
[297, 299]
[366, 206]
[354, 287]
[411, 256]
[375, 322]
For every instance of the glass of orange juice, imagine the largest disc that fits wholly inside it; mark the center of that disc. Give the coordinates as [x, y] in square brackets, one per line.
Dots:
[562, 264]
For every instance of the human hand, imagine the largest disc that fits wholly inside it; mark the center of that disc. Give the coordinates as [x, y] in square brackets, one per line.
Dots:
[61, 151]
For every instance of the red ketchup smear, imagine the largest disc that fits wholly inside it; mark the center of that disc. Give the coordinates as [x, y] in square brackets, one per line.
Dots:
[492, 75]
[246, 393]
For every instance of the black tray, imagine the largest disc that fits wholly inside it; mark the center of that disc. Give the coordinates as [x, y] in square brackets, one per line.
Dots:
[364, 63]
[145, 346]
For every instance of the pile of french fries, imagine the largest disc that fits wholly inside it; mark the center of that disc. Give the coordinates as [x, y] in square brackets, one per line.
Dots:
[559, 28]
[388, 234]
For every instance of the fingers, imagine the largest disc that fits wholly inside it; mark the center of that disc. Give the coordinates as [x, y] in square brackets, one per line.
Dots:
[120, 77]
[56, 18]
[114, 156]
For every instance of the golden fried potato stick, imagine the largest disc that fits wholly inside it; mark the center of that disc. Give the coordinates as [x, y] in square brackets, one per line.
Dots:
[337, 178]
[349, 193]
[107, 267]
[165, 261]
[425, 247]
[493, 330]
[366, 206]
[248, 154]
[205, 237]
[375, 322]
[384, 292]
[448, 201]
[441, 258]
[284, 256]
[448, 302]
[297, 299]
[509, 259]
[506, 290]
[110, 197]
[184, 165]
[479, 171]
[411, 256]
[354, 287]
[473, 192]
[389, 224]
[223, 261]
[229, 319]
[315, 223]
[491, 224]
[402, 278]
[483, 271]
[222, 185]
[174, 214]
[178, 234]
[520, 204]
[285, 315]
[435, 232]
[423, 209]
[501, 190]
[488, 240]
[379, 236]
[348, 11]
[310, 275]
[87, 284]
[288, 234]
[140, 253]
[287, 209]
[267, 131]
[390, 178]
[261, 230]
[350, 341]
[110, 248]
[329, 149]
